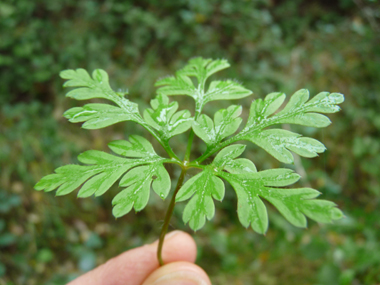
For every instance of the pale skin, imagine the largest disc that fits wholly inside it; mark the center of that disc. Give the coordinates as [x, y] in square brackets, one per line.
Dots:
[140, 266]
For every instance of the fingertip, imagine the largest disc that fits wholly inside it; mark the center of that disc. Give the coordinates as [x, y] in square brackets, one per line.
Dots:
[178, 246]
[178, 273]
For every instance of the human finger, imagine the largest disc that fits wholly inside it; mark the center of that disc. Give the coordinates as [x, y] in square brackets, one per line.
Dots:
[134, 266]
[178, 273]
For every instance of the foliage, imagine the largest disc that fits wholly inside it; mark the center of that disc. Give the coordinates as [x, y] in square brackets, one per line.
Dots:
[142, 167]
[274, 45]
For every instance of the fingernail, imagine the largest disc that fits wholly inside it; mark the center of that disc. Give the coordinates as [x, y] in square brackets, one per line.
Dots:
[181, 278]
[171, 234]
[167, 236]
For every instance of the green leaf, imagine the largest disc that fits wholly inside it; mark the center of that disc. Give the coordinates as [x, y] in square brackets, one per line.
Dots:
[202, 188]
[251, 209]
[298, 111]
[226, 122]
[96, 87]
[103, 169]
[227, 154]
[225, 90]
[201, 69]
[295, 204]
[97, 115]
[138, 182]
[137, 146]
[251, 186]
[103, 173]
[278, 142]
[165, 120]
[263, 108]
[225, 160]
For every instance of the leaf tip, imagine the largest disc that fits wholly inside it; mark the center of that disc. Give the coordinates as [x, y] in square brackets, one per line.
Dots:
[66, 74]
[39, 186]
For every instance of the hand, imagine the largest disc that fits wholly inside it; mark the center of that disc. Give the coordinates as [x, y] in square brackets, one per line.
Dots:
[139, 266]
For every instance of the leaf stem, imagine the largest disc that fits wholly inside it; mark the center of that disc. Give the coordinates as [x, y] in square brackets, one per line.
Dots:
[168, 216]
[216, 148]
[169, 150]
[190, 140]
[163, 143]
[189, 144]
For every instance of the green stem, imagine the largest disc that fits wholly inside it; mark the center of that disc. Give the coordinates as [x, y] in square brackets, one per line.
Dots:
[164, 144]
[191, 138]
[189, 144]
[168, 216]
[170, 151]
[215, 149]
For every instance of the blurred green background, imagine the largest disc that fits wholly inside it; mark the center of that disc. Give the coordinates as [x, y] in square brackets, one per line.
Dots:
[272, 45]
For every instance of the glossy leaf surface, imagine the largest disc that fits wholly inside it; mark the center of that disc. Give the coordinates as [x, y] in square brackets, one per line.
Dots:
[226, 122]
[297, 111]
[252, 186]
[97, 115]
[201, 69]
[201, 188]
[165, 120]
[102, 170]
[139, 168]
[138, 182]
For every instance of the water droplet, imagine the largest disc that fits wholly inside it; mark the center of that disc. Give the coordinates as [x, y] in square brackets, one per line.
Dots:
[162, 195]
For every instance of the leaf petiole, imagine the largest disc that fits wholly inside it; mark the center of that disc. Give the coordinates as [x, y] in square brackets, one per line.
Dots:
[168, 216]
[163, 143]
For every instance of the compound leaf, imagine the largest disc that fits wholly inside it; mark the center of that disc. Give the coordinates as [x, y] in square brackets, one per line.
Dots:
[70, 177]
[298, 111]
[103, 170]
[138, 182]
[202, 188]
[97, 116]
[226, 122]
[201, 68]
[140, 168]
[165, 120]
[251, 186]
[295, 204]
[96, 87]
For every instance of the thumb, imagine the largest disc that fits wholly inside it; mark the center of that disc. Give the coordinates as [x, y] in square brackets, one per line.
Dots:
[178, 273]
